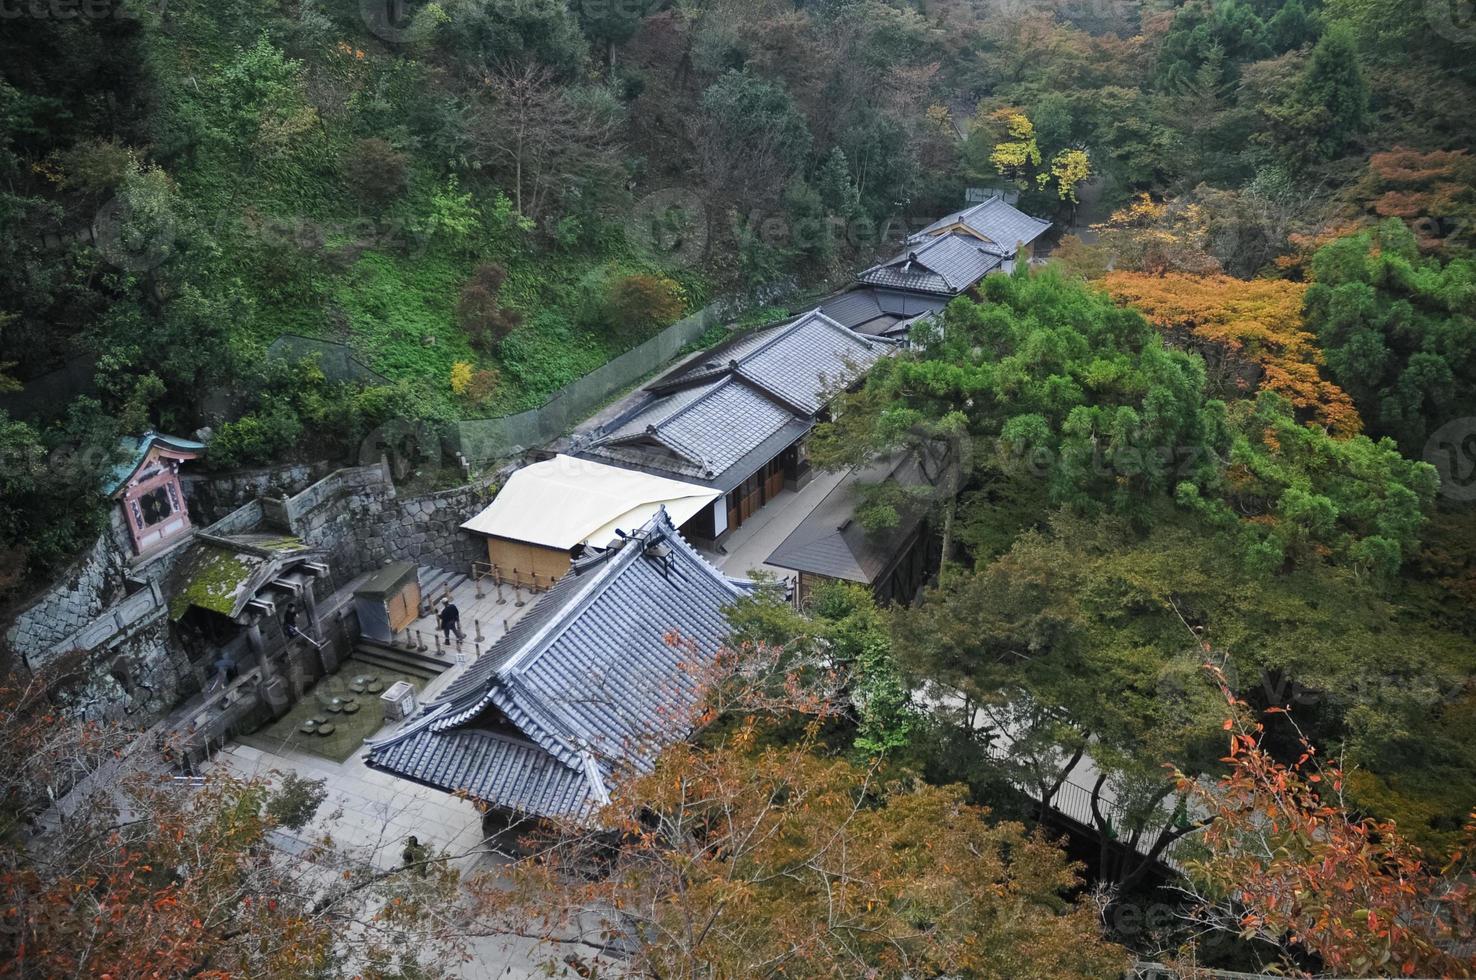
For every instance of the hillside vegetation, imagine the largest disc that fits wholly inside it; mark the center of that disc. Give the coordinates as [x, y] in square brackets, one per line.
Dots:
[1232, 422]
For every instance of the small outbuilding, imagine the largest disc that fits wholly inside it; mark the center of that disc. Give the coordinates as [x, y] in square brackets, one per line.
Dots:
[389, 600]
[831, 544]
[146, 485]
[547, 511]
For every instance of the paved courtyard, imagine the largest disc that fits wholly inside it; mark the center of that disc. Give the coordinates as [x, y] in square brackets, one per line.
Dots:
[370, 814]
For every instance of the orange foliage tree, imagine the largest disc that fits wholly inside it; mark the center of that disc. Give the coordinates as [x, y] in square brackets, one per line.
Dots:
[750, 860]
[1236, 323]
[1434, 192]
[1285, 861]
[132, 875]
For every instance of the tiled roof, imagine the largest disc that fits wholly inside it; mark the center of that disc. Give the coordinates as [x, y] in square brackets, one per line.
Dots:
[697, 432]
[994, 220]
[513, 773]
[136, 451]
[599, 674]
[796, 362]
[758, 391]
[945, 265]
[880, 312]
[832, 543]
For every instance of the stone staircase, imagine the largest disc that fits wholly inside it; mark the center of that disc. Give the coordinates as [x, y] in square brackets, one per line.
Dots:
[435, 584]
[409, 661]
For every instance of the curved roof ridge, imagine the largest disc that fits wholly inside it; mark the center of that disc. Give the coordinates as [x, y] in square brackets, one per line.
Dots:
[429, 715]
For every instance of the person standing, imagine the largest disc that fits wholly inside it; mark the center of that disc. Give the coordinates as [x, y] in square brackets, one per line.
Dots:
[415, 855]
[451, 621]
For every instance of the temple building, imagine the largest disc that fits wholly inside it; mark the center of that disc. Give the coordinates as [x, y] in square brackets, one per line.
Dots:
[734, 419]
[596, 678]
[146, 487]
[548, 513]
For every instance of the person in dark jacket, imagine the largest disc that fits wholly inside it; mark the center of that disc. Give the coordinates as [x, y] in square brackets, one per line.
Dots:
[451, 621]
[415, 855]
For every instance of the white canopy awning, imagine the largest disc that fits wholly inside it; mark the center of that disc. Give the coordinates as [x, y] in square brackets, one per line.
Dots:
[566, 501]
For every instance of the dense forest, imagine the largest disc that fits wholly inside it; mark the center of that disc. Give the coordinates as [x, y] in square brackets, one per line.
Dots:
[1228, 415]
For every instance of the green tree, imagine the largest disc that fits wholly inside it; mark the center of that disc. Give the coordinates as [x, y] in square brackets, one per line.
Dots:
[753, 138]
[1051, 382]
[1399, 331]
[1329, 105]
[843, 628]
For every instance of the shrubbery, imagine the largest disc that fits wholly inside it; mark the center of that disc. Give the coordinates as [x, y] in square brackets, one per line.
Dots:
[479, 309]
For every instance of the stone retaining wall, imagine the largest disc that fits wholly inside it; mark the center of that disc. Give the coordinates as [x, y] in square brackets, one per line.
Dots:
[94, 582]
[127, 661]
[214, 495]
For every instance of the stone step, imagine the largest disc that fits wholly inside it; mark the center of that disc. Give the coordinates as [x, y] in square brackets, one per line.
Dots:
[426, 664]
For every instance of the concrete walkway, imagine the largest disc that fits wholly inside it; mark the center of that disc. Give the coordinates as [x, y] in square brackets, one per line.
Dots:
[749, 546]
[370, 815]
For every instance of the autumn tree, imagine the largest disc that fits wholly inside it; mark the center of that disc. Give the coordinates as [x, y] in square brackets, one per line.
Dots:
[110, 867]
[479, 308]
[1289, 862]
[1016, 154]
[1152, 237]
[742, 858]
[639, 303]
[1433, 192]
[1251, 334]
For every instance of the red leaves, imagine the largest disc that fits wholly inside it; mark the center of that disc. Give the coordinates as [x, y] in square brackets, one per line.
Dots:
[1306, 871]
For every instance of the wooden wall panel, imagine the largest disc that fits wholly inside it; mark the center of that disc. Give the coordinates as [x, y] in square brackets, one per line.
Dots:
[519, 562]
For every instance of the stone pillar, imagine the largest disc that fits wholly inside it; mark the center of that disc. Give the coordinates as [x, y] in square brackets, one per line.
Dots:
[273, 689]
[258, 647]
[310, 606]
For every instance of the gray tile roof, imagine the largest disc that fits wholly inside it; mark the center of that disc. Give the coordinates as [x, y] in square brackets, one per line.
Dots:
[995, 221]
[908, 304]
[880, 312]
[796, 362]
[707, 421]
[945, 265]
[832, 543]
[593, 680]
[698, 432]
[512, 773]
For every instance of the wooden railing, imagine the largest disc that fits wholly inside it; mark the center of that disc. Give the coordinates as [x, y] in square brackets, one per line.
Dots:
[515, 579]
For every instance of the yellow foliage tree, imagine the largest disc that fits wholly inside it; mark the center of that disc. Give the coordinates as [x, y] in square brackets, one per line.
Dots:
[1237, 322]
[1020, 153]
[461, 377]
[1070, 169]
